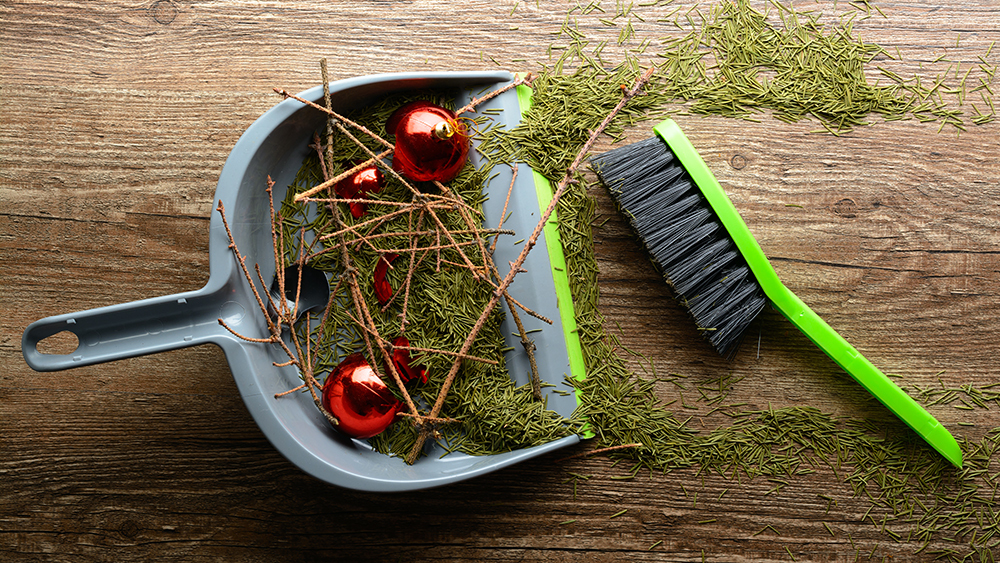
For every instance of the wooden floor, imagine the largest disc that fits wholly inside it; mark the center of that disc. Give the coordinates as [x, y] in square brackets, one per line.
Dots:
[115, 120]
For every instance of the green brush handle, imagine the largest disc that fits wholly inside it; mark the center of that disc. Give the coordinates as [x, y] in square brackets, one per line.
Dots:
[807, 321]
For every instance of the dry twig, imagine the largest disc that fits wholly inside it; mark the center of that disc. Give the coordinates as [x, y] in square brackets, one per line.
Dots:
[532, 240]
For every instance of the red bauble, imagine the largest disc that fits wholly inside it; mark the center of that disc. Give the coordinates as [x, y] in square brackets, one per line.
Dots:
[407, 370]
[383, 289]
[358, 185]
[431, 143]
[359, 399]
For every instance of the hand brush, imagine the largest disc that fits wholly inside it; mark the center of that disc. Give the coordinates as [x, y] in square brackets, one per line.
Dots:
[707, 254]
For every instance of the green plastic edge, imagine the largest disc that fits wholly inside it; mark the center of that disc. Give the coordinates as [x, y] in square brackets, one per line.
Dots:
[560, 276]
[804, 318]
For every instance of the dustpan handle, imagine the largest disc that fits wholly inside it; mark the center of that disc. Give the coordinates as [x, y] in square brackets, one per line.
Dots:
[130, 329]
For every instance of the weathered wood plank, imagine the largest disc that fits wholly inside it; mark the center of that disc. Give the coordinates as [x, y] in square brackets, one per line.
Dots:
[118, 116]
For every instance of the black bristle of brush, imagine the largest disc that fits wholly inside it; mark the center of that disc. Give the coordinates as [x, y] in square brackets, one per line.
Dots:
[686, 240]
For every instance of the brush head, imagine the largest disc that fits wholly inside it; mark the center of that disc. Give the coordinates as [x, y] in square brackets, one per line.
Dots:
[687, 241]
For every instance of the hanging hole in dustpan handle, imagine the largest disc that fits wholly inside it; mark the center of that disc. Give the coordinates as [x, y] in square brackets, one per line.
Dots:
[130, 329]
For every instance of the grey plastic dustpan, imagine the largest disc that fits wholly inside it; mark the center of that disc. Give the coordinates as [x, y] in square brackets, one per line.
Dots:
[275, 145]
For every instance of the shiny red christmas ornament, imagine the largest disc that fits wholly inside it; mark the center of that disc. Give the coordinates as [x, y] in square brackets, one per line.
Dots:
[407, 370]
[431, 143]
[359, 399]
[383, 289]
[358, 185]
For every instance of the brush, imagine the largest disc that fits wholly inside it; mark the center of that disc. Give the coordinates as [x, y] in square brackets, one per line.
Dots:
[719, 272]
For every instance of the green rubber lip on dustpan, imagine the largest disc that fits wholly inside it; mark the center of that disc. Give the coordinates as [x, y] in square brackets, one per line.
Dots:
[804, 318]
[560, 272]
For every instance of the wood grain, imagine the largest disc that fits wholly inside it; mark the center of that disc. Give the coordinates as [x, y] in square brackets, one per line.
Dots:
[115, 120]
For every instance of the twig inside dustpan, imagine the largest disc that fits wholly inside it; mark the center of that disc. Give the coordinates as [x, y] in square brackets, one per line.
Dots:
[424, 213]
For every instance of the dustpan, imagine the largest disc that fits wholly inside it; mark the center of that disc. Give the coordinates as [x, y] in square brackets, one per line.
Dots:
[275, 145]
